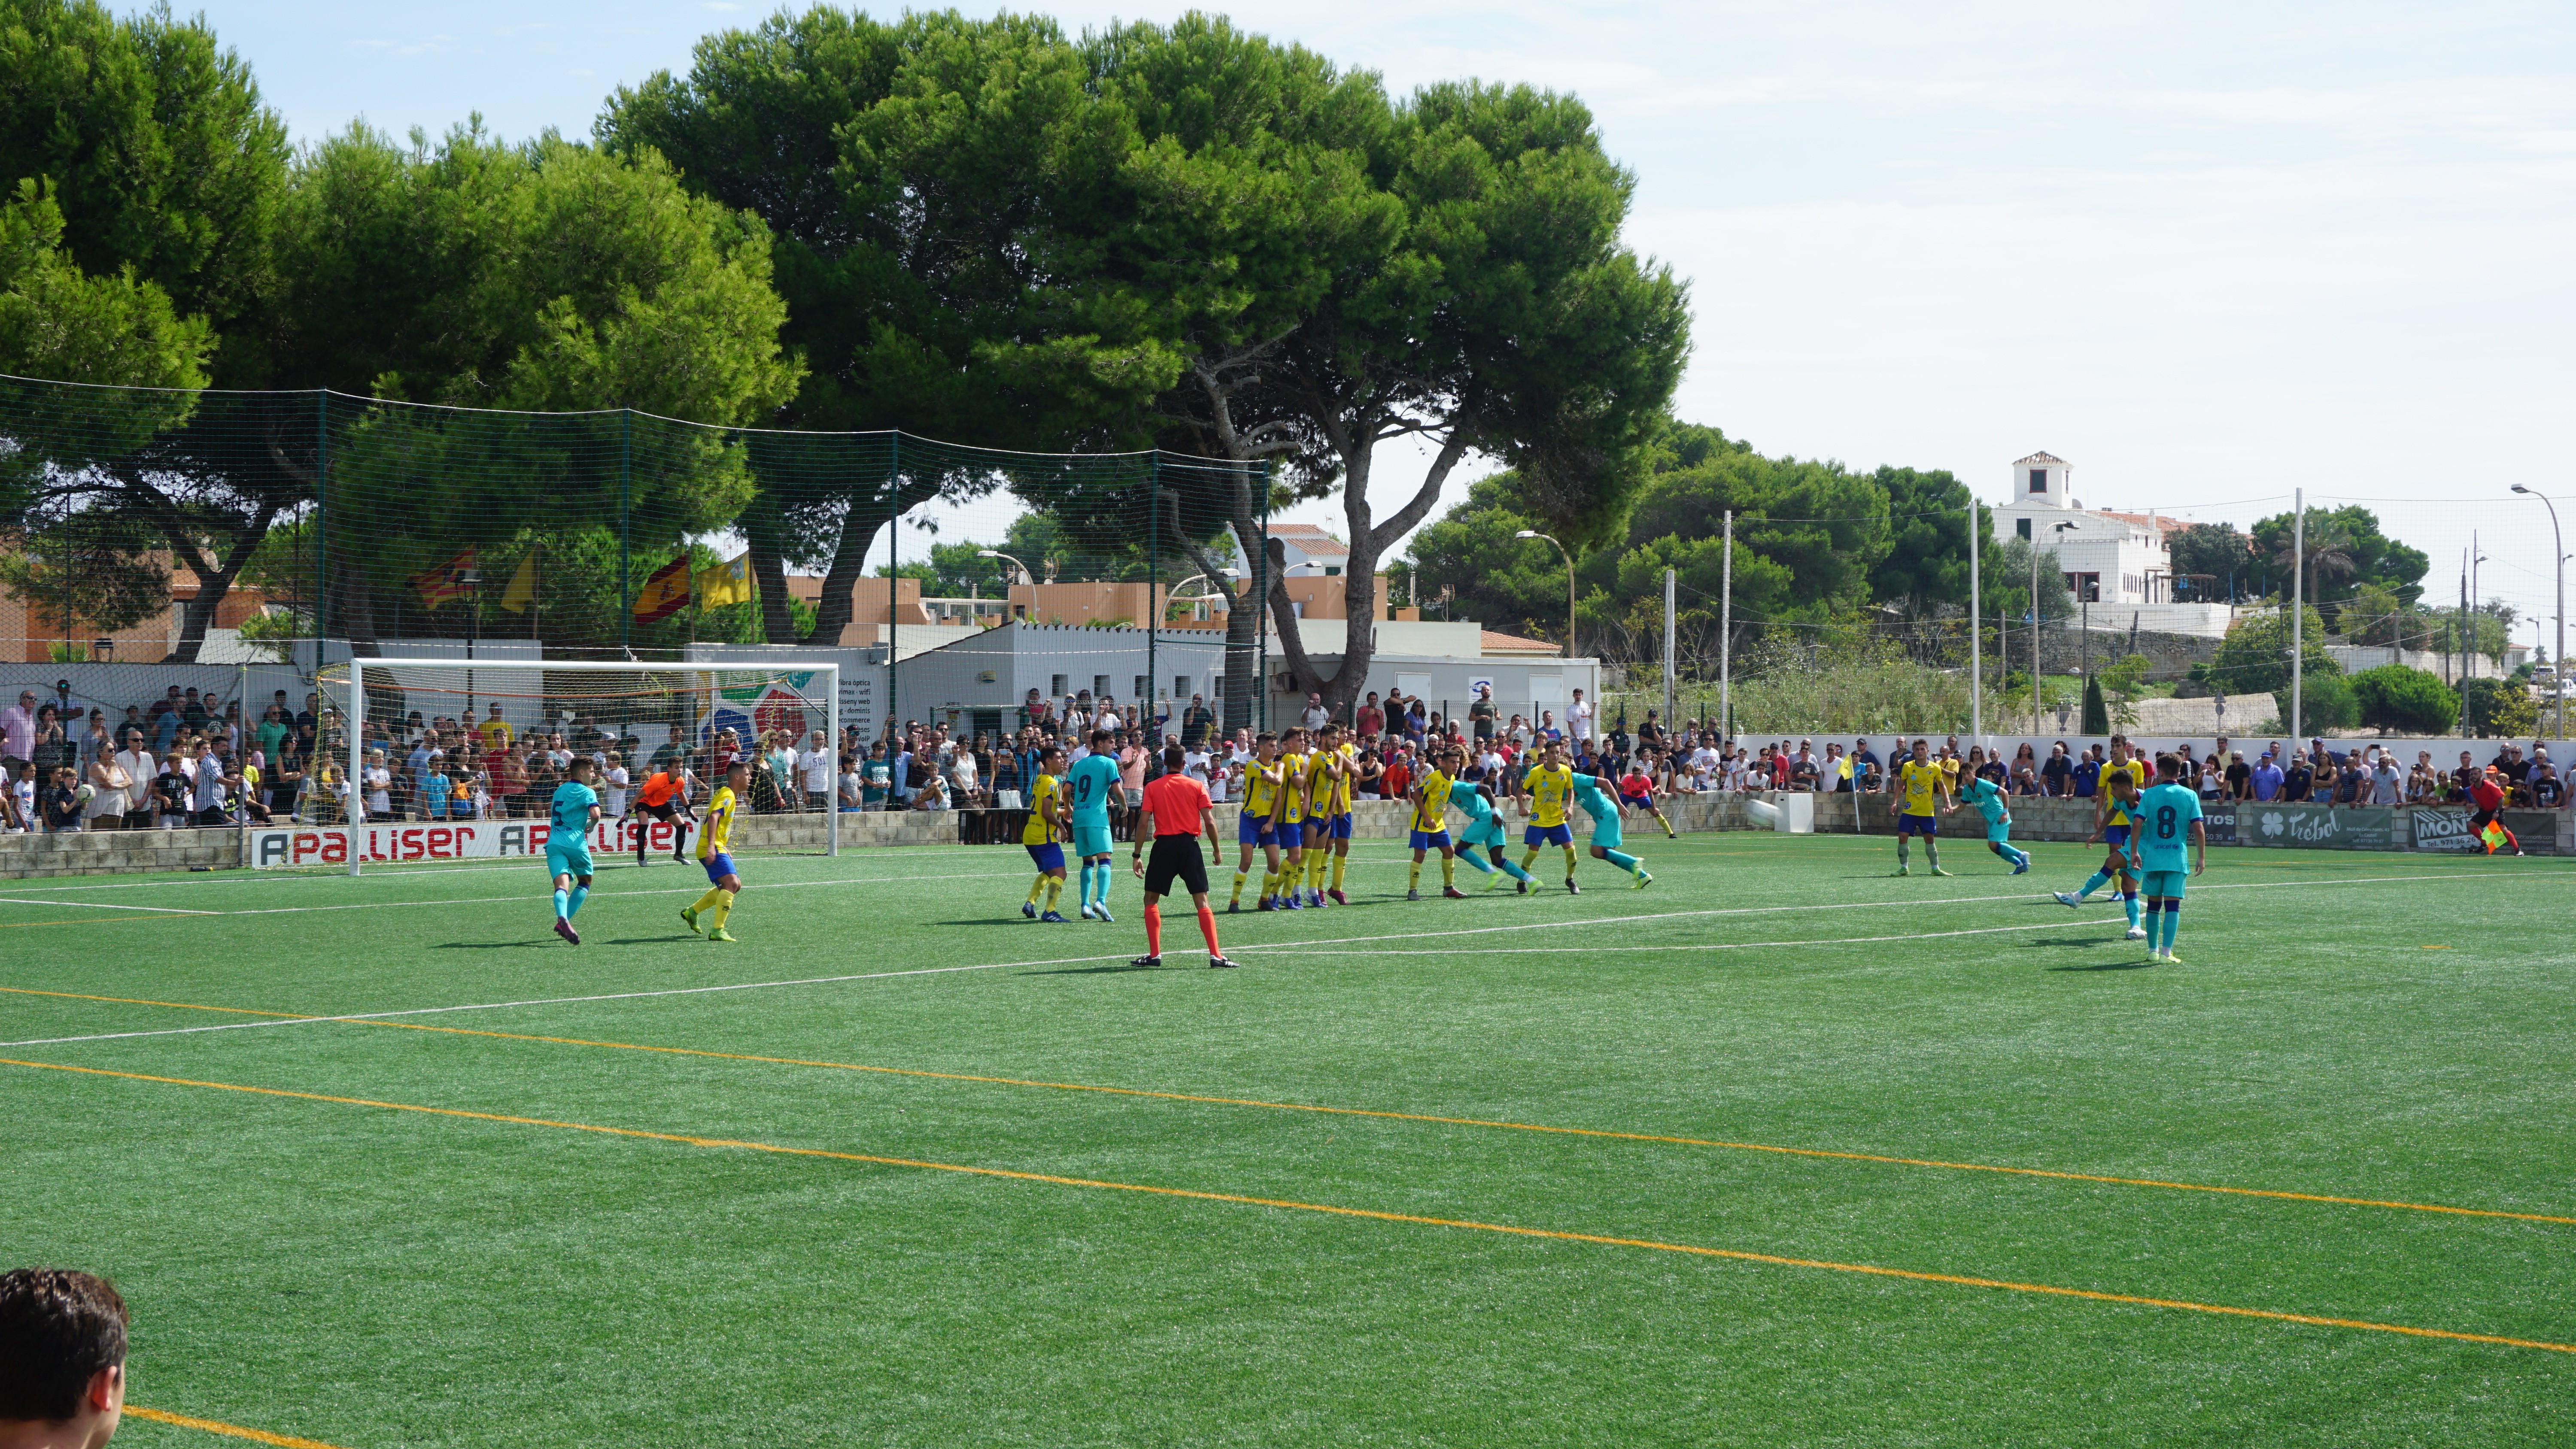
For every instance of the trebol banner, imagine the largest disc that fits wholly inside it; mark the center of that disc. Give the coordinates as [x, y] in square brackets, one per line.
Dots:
[2316, 827]
[458, 840]
[2444, 829]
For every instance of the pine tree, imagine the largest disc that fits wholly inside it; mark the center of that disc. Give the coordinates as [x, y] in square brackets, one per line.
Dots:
[2097, 715]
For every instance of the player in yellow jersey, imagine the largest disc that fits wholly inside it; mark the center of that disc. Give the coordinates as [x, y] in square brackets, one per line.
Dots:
[1923, 790]
[1050, 823]
[1545, 790]
[1430, 796]
[1346, 753]
[1314, 836]
[2115, 824]
[1288, 817]
[715, 832]
[1252, 825]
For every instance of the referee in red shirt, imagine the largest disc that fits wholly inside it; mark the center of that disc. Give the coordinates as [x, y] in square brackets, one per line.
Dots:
[1182, 806]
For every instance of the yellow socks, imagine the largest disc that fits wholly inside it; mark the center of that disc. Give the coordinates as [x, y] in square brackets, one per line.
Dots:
[708, 902]
[1055, 888]
[723, 908]
[1269, 884]
[1315, 864]
[1040, 887]
[1449, 872]
[1413, 882]
[1239, 878]
[1339, 861]
[1570, 859]
[1528, 860]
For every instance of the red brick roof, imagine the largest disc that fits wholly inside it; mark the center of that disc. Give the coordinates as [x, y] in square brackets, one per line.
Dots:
[1310, 538]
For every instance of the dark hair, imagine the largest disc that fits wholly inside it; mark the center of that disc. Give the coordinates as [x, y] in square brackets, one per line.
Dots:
[2169, 765]
[58, 1328]
[1174, 759]
[1102, 737]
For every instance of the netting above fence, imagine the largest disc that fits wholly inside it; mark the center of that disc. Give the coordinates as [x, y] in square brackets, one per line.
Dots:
[157, 521]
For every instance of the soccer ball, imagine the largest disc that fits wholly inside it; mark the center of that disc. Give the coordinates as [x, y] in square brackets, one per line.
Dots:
[1763, 812]
[85, 793]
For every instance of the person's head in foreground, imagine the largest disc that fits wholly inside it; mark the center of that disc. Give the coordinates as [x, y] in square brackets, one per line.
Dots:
[62, 1359]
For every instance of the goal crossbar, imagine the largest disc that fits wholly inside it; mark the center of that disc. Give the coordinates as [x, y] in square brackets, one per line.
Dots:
[828, 670]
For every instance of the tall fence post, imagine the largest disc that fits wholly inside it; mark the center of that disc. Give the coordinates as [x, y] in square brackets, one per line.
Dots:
[2298, 611]
[1153, 591]
[1976, 631]
[1726, 635]
[625, 511]
[321, 524]
[894, 571]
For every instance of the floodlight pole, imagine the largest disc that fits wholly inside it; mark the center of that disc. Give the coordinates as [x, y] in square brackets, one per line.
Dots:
[1976, 634]
[1671, 676]
[2298, 611]
[1726, 634]
[2558, 651]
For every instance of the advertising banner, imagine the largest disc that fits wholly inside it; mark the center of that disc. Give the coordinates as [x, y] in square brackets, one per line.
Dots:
[2444, 828]
[390, 844]
[2218, 818]
[2316, 827]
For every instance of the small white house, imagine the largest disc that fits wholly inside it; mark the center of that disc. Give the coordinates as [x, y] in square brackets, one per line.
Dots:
[2116, 562]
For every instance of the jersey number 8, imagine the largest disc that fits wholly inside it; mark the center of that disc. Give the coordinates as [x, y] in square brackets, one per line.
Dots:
[2164, 822]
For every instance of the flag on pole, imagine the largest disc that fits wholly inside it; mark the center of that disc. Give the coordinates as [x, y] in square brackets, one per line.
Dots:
[523, 584]
[726, 583]
[445, 583]
[665, 593]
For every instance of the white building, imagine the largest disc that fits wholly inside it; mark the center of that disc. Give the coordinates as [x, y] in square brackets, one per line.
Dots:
[2115, 562]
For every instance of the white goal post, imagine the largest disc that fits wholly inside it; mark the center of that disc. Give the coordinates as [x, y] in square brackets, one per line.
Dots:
[708, 680]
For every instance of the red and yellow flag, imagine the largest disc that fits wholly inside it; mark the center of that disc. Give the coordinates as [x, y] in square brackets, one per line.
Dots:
[665, 593]
[445, 583]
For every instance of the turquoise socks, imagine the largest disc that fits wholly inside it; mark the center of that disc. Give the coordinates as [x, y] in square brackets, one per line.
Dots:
[2173, 923]
[1469, 856]
[1100, 885]
[1083, 896]
[1514, 871]
[2094, 883]
[563, 908]
[579, 894]
[1624, 861]
[2130, 899]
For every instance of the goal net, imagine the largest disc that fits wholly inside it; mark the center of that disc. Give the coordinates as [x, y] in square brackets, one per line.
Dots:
[436, 760]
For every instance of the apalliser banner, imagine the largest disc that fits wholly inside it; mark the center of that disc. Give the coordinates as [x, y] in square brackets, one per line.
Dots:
[271, 846]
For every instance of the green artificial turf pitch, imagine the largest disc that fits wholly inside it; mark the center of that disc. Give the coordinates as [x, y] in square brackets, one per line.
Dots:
[2383, 1027]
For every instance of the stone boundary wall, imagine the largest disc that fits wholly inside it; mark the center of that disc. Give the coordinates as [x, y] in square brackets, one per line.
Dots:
[117, 852]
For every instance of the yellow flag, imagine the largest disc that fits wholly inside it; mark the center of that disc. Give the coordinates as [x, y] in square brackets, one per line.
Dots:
[726, 583]
[523, 586]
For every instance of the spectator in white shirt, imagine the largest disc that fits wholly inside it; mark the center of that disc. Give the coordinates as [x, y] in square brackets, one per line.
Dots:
[139, 768]
[612, 799]
[815, 767]
[379, 787]
[1314, 716]
[1578, 718]
[18, 727]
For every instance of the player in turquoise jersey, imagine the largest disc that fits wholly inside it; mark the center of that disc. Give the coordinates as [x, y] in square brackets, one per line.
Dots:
[2173, 846]
[1988, 797]
[574, 811]
[1596, 797]
[1475, 799]
[2115, 816]
[1091, 784]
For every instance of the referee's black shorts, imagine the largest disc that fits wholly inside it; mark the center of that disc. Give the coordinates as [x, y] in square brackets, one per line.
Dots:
[1176, 857]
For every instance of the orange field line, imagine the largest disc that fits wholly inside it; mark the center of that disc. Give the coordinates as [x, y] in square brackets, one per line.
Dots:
[2278, 1194]
[217, 1426]
[1486, 1122]
[1371, 1214]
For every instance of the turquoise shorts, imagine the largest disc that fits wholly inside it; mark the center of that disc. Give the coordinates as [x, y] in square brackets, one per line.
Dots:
[1605, 832]
[2165, 883]
[1489, 832]
[1999, 831]
[1089, 838]
[568, 857]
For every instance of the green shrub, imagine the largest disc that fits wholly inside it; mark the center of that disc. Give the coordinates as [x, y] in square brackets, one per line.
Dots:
[2328, 704]
[2394, 697]
[2097, 715]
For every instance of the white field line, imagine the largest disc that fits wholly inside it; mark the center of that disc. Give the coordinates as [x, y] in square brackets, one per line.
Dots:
[1309, 947]
[104, 906]
[1622, 950]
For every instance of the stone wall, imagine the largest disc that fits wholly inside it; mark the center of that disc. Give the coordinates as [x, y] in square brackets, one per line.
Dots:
[116, 852]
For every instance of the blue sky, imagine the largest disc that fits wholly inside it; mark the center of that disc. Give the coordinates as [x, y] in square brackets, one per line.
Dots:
[2208, 253]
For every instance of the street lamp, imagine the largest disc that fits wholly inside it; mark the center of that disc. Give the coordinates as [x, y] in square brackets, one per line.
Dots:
[2558, 651]
[1015, 563]
[1569, 585]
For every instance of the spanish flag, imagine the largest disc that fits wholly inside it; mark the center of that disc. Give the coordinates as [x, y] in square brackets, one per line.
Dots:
[445, 583]
[523, 584]
[665, 593]
[726, 583]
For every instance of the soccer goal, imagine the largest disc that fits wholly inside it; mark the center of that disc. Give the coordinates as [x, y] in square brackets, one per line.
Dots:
[449, 759]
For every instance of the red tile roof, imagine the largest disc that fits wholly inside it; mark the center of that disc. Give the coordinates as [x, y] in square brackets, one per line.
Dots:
[1311, 539]
[1492, 640]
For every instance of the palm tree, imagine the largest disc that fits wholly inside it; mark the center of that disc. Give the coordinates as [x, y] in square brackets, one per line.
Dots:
[2329, 552]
